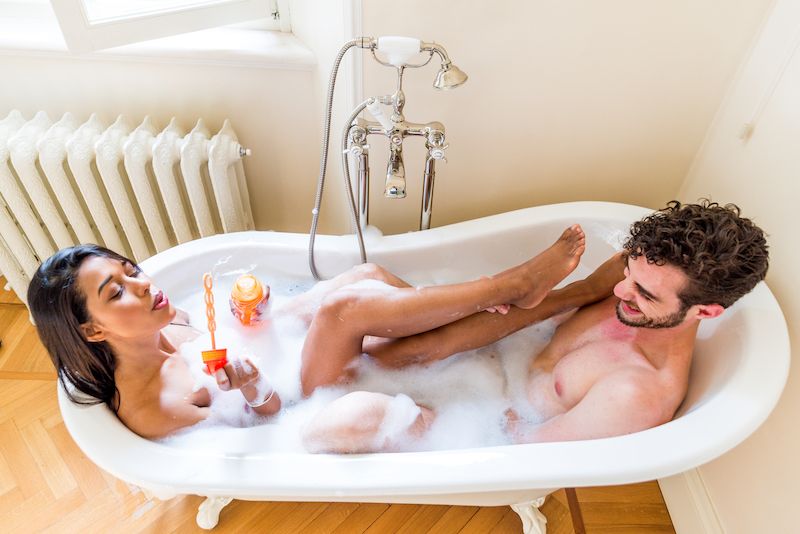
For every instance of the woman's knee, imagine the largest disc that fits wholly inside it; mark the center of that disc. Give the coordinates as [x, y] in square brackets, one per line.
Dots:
[363, 421]
[339, 305]
[371, 271]
[350, 424]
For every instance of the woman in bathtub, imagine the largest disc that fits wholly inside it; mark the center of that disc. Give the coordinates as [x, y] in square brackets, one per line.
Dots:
[112, 335]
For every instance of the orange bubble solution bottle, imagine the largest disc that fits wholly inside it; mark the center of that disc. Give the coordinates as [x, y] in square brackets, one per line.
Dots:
[248, 299]
[215, 358]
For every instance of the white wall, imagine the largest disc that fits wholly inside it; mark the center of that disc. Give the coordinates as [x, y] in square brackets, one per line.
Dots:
[566, 100]
[754, 487]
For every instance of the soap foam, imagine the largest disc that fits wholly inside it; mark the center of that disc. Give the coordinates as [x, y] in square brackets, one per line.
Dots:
[468, 392]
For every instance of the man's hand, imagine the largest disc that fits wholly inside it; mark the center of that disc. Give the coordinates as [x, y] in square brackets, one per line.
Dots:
[512, 420]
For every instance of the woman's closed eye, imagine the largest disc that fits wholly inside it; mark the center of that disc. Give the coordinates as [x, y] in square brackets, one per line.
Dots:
[133, 274]
[118, 293]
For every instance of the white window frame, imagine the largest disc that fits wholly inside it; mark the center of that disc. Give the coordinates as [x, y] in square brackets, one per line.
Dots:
[82, 35]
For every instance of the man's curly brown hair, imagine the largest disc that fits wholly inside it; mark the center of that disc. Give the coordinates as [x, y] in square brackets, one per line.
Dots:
[723, 255]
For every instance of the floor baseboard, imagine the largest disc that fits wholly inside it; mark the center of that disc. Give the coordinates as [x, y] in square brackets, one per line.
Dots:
[689, 504]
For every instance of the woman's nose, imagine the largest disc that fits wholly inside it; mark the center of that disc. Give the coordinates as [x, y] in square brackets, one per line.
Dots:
[142, 285]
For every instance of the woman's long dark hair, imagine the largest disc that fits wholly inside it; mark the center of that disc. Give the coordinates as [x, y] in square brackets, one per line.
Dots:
[59, 308]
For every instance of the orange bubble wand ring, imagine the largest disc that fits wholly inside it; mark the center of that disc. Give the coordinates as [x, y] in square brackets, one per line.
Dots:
[215, 358]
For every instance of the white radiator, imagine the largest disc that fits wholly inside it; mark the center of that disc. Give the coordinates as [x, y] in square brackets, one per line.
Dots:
[136, 191]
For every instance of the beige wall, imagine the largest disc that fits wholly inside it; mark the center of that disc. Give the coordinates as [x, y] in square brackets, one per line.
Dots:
[566, 100]
[280, 171]
[754, 487]
[322, 26]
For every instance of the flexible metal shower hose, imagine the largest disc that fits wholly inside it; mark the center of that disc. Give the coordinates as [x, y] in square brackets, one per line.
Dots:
[324, 162]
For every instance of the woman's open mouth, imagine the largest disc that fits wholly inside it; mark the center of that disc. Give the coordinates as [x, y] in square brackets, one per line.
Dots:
[160, 301]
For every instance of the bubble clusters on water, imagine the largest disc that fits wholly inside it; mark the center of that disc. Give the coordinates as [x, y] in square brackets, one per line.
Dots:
[469, 392]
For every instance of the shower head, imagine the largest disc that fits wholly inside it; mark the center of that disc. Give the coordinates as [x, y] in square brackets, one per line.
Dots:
[449, 76]
[400, 50]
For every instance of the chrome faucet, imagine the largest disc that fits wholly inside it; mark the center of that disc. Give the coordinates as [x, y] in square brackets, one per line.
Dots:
[395, 170]
[398, 53]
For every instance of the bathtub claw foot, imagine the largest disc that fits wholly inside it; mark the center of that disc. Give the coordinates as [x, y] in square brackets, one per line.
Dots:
[208, 512]
[533, 520]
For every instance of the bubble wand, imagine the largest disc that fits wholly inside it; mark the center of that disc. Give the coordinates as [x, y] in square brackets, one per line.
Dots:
[215, 358]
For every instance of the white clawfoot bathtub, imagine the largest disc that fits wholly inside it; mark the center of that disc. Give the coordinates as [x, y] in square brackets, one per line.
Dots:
[740, 367]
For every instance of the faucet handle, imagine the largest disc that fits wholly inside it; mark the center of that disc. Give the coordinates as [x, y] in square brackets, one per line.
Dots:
[356, 150]
[437, 152]
[436, 145]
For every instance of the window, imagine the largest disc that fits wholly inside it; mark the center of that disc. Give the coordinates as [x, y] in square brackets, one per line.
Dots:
[90, 25]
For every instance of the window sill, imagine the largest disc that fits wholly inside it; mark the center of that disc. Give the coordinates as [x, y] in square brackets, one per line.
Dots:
[229, 47]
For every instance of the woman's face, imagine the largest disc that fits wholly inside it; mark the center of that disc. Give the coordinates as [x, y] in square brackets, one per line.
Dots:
[121, 301]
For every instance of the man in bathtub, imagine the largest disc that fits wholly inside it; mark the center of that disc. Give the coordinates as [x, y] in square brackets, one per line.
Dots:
[621, 364]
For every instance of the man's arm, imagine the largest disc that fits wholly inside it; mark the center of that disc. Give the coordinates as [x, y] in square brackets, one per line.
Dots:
[621, 403]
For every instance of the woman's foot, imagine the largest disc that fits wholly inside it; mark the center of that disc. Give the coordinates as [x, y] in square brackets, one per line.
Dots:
[537, 276]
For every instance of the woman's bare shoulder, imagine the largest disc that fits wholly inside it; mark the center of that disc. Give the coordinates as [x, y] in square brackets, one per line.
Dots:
[157, 420]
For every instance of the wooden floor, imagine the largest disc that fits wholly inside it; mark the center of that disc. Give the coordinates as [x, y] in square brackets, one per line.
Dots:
[48, 485]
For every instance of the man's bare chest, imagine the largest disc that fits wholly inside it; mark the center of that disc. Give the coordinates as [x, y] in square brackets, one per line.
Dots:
[579, 355]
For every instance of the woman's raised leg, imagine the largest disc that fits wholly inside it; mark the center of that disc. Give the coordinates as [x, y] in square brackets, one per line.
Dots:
[305, 306]
[482, 329]
[347, 315]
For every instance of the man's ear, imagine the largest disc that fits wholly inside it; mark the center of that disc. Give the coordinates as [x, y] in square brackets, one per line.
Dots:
[92, 333]
[709, 311]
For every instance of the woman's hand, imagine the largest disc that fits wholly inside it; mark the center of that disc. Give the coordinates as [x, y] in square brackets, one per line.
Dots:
[256, 390]
[236, 373]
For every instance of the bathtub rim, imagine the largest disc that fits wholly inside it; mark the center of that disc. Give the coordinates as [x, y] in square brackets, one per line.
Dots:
[605, 461]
